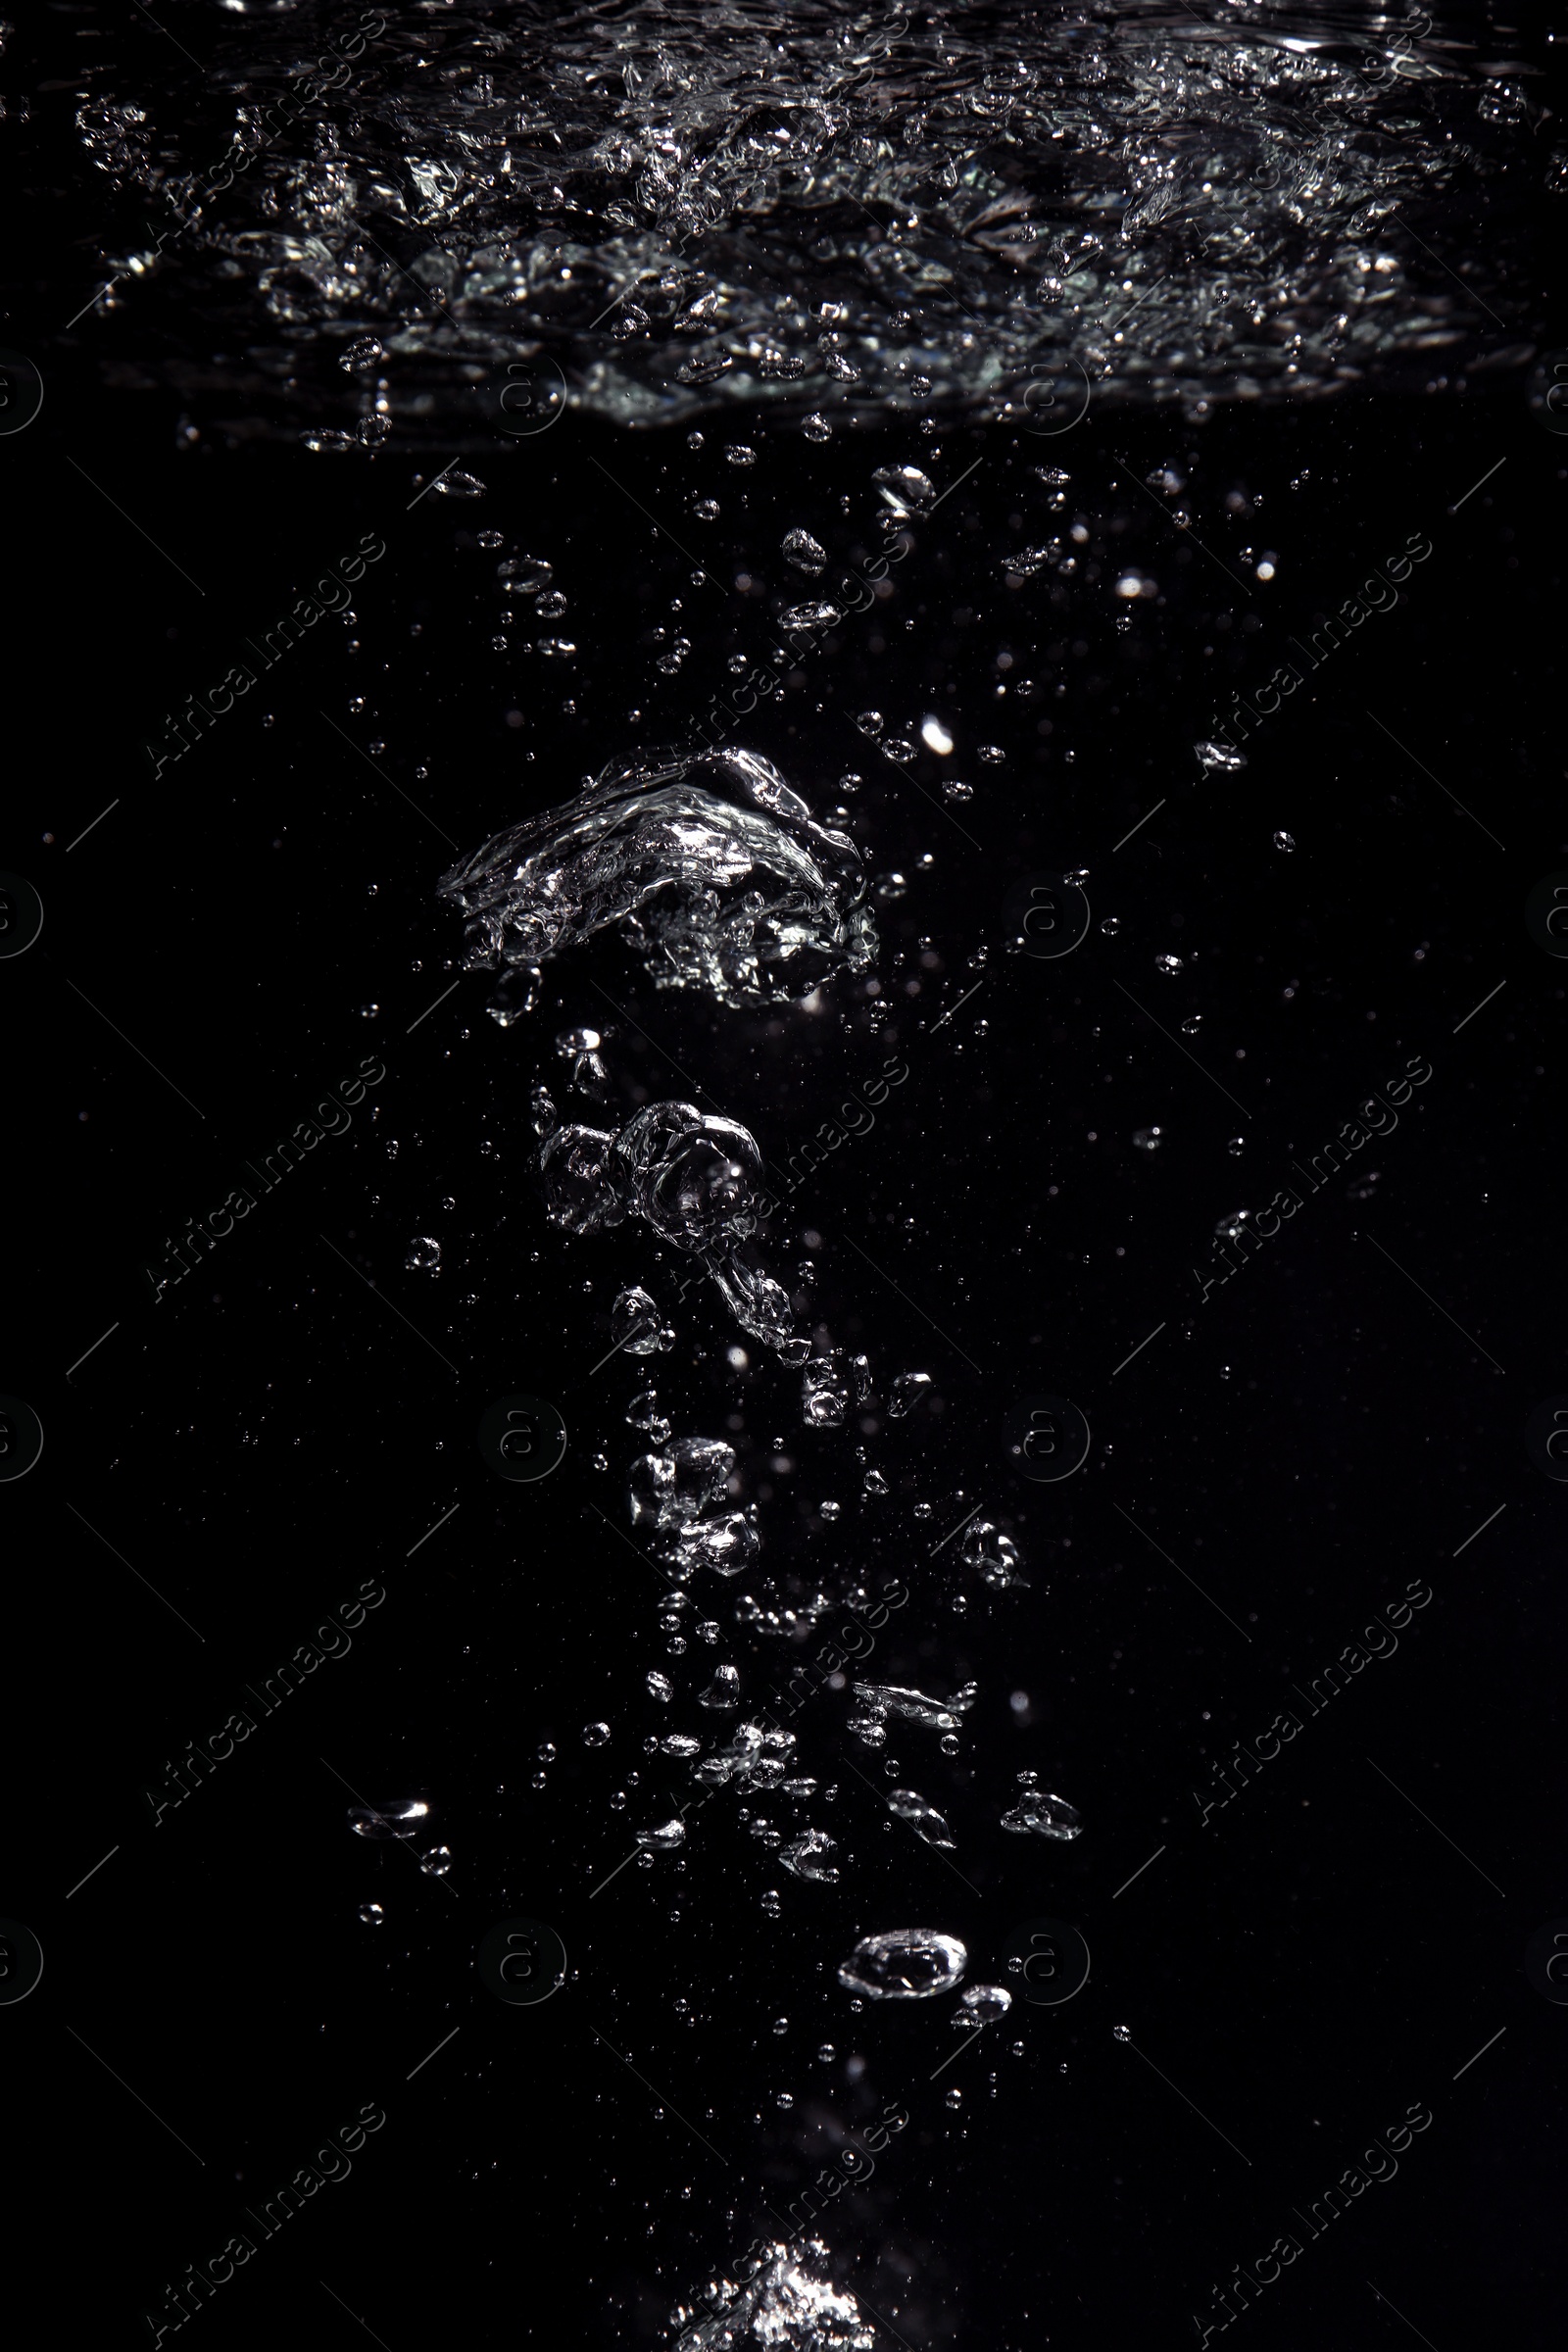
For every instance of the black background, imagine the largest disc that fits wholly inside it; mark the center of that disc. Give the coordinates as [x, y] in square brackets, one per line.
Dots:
[1324, 1430]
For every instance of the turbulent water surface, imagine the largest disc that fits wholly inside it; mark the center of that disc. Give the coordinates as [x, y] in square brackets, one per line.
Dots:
[387, 227]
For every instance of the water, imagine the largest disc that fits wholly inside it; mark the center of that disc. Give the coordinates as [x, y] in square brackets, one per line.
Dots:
[835, 472]
[904, 1964]
[395, 1817]
[1043, 1816]
[923, 1818]
[729, 884]
[790, 2302]
[890, 1698]
[983, 2005]
[682, 214]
